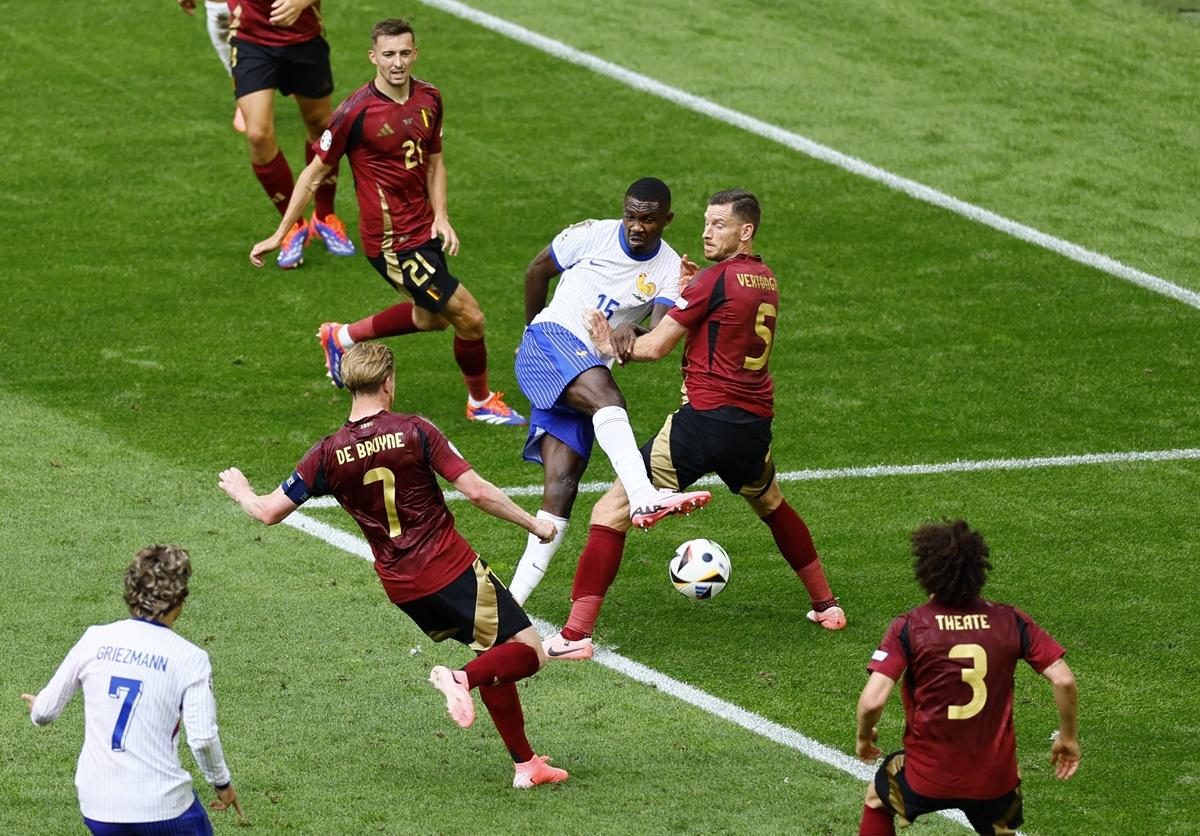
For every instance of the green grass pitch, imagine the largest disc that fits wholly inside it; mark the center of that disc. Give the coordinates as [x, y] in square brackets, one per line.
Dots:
[140, 354]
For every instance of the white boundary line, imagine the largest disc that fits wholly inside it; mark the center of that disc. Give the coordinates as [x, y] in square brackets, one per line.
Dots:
[879, 470]
[635, 670]
[820, 152]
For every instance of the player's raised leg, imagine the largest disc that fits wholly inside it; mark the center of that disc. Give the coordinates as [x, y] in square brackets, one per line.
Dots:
[795, 543]
[594, 392]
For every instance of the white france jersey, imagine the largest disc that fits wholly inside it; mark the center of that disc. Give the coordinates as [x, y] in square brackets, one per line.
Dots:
[138, 679]
[599, 272]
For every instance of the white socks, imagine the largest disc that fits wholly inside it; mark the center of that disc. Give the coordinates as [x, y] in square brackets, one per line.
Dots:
[217, 15]
[536, 559]
[343, 337]
[615, 437]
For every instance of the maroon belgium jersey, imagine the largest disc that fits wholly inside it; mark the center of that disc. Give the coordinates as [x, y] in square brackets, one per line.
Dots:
[250, 20]
[389, 145]
[958, 665]
[381, 469]
[729, 310]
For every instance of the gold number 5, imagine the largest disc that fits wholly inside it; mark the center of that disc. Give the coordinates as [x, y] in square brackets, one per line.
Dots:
[764, 334]
[973, 676]
[382, 474]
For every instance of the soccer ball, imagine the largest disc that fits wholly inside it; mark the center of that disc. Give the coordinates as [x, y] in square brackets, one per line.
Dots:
[700, 569]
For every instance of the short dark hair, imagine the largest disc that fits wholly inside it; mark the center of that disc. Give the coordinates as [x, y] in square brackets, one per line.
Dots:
[745, 206]
[952, 561]
[390, 28]
[650, 190]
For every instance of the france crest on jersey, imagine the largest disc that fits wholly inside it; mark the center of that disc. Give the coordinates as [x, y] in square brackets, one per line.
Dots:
[599, 271]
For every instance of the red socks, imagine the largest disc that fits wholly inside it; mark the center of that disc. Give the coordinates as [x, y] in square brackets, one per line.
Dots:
[506, 662]
[494, 672]
[327, 189]
[597, 570]
[276, 180]
[876, 822]
[393, 322]
[505, 707]
[471, 356]
[796, 545]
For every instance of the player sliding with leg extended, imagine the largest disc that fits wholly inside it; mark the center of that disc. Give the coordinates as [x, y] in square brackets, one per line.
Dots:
[391, 132]
[727, 313]
[624, 270]
[382, 467]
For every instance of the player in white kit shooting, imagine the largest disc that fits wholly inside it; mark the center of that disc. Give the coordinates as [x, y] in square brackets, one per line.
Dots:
[138, 678]
[625, 270]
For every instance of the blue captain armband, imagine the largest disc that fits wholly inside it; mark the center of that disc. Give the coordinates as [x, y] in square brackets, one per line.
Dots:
[294, 488]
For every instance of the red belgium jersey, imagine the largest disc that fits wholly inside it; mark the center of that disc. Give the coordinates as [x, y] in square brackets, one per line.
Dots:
[250, 20]
[381, 469]
[729, 310]
[958, 693]
[389, 145]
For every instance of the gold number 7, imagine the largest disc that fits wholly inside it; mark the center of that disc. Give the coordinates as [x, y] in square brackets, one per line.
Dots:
[382, 474]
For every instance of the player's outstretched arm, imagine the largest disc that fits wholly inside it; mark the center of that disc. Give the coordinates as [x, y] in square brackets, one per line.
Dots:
[269, 508]
[870, 708]
[487, 497]
[1064, 751]
[306, 186]
[655, 345]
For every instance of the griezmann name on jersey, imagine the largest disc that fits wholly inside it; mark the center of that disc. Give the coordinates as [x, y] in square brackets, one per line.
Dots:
[139, 679]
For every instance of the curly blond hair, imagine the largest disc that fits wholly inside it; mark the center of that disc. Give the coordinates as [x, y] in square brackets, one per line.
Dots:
[157, 580]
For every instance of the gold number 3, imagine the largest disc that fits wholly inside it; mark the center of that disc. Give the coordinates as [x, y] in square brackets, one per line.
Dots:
[973, 676]
[382, 474]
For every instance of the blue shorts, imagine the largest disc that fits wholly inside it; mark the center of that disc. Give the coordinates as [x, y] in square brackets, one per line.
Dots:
[191, 822]
[549, 358]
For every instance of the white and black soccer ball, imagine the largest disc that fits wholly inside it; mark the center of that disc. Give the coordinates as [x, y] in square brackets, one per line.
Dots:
[700, 569]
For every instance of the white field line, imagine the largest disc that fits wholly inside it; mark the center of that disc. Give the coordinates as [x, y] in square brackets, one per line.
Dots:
[878, 470]
[634, 670]
[818, 151]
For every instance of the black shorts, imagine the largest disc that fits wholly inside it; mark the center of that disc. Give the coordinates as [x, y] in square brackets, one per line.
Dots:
[297, 68]
[420, 274]
[994, 816]
[475, 608]
[730, 442]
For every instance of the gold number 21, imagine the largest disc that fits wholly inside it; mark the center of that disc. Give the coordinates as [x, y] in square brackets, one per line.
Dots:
[382, 474]
[973, 676]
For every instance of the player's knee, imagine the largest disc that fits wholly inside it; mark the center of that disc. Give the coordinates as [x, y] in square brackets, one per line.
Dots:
[261, 141]
[469, 323]
[558, 495]
[612, 510]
